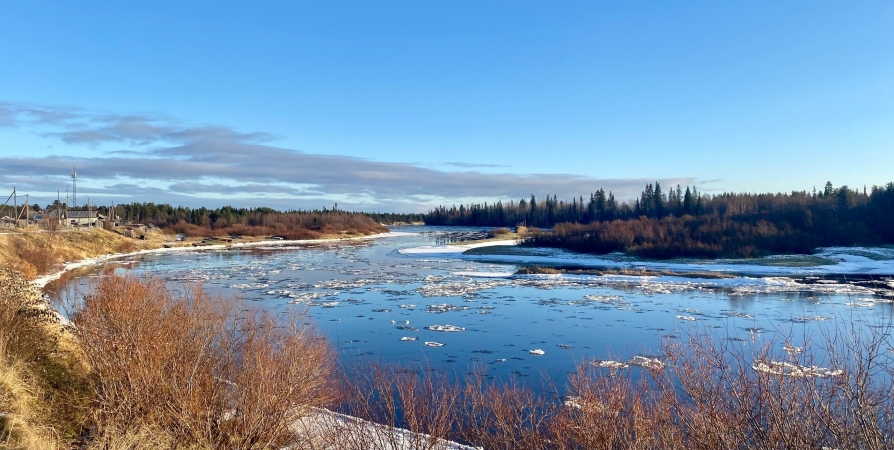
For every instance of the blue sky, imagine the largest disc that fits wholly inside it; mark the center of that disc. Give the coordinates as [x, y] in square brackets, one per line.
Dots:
[404, 105]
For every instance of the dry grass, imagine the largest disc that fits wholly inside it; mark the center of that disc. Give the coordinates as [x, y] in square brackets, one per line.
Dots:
[42, 383]
[35, 253]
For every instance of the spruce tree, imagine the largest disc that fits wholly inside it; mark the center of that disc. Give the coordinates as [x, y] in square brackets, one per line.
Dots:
[688, 202]
[658, 201]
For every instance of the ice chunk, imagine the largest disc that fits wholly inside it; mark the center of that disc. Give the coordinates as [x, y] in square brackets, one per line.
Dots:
[608, 364]
[537, 352]
[646, 362]
[409, 338]
[794, 370]
[445, 328]
[434, 344]
[444, 307]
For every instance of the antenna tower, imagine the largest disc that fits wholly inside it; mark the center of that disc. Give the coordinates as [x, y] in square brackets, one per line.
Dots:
[74, 186]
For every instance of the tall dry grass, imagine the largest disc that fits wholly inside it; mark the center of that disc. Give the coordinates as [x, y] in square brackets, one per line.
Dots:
[42, 387]
[195, 370]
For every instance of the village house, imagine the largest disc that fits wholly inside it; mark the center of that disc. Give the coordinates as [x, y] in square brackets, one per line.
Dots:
[73, 218]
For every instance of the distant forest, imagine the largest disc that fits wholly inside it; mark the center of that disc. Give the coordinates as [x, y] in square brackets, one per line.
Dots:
[688, 223]
[228, 220]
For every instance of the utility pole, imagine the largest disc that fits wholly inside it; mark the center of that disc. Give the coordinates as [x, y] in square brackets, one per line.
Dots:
[27, 207]
[15, 207]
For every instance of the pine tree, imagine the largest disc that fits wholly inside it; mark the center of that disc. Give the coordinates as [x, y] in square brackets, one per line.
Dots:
[658, 201]
[687, 202]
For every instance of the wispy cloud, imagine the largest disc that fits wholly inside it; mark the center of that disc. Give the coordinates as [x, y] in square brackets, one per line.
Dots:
[468, 165]
[216, 164]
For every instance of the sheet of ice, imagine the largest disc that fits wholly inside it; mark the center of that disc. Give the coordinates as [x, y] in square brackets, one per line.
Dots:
[452, 249]
[845, 260]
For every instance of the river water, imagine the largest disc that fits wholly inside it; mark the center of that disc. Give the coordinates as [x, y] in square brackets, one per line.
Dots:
[377, 299]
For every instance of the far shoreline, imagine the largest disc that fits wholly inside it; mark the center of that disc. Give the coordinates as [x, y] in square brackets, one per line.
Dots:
[42, 281]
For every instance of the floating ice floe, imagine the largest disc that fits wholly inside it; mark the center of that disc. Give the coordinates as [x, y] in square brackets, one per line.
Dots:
[245, 286]
[400, 322]
[444, 307]
[811, 318]
[407, 306]
[792, 350]
[346, 284]
[688, 318]
[434, 344]
[445, 328]
[794, 370]
[739, 315]
[459, 288]
[607, 364]
[639, 361]
[326, 304]
[565, 346]
[602, 298]
[307, 297]
[537, 352]
[500, 360]
[409, 338]
[646, 362]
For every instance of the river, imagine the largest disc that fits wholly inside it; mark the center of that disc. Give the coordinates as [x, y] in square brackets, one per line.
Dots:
[380, 299]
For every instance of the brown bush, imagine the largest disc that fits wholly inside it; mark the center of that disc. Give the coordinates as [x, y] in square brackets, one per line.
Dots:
[705, 395]
[202, 371]
[42, 259]
[497, 232]
[419, 400]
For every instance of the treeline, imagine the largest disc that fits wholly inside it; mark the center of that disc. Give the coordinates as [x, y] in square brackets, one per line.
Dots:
[248, 221]
[688, 223]
[547, 212]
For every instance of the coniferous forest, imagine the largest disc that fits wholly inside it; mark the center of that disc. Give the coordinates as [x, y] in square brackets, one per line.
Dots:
[227, 220]
[685, 223]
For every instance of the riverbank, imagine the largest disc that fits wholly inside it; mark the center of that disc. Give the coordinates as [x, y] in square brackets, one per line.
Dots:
[192, 245]
[826, 262]
[42, 257]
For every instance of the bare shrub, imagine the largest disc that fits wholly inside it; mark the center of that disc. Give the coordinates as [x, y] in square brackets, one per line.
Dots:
[505, 416]
[715, 394]
[708, 393]
[126, 246]
[202, 371]
[421, 401]
[494, 232]
[42, 259]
